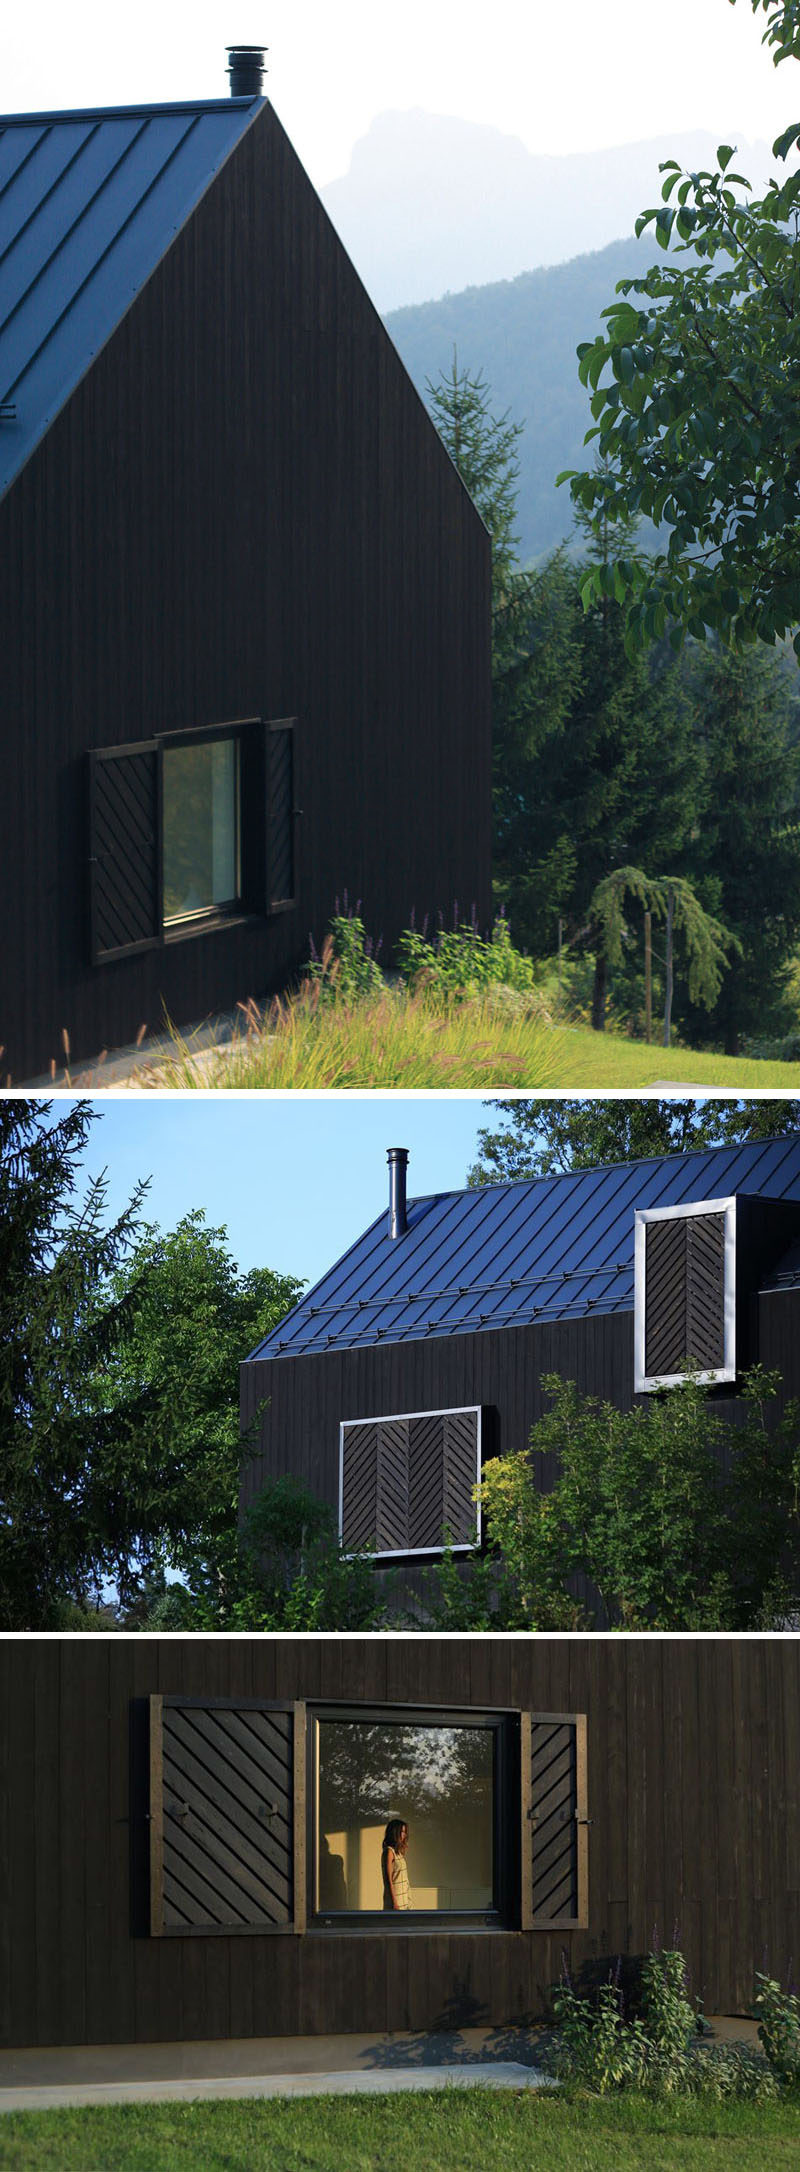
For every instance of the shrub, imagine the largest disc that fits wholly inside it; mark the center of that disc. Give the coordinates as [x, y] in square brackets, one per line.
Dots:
[658, 2051]
[778, 2015]
[347, 969]
[459, 962]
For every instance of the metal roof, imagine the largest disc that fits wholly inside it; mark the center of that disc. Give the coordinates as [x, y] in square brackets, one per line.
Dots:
[89, 202]
[506, 1255]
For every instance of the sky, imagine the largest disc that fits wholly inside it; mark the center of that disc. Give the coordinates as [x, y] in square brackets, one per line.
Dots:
[564, 79]
[293, 1179]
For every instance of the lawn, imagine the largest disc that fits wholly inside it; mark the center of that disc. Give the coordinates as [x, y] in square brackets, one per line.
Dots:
[393, 1039]
[450, 2131]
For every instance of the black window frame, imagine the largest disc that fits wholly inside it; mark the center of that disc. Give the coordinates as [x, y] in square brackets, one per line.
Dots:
[254, 899]
[503, 1915]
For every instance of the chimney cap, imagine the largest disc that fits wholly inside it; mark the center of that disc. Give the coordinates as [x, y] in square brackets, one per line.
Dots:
[246, 70]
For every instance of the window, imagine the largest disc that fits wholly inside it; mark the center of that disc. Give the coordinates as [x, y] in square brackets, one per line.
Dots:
[200, 829]
[188, 828]
[445, 1779]
[404, 1481]
[265, 1816]
[685, 1294]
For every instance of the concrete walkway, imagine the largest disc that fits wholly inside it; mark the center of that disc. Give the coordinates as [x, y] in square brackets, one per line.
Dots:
[287, 2066]
[278, 2066]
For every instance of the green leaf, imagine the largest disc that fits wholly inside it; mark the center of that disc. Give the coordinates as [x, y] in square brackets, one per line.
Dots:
[724, 155]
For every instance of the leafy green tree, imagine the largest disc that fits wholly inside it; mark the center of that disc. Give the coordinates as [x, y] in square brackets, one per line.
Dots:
[546, 1138]
[693, 397]
[676, 1518]
[191, 1318]
[67, 1517]
[119, 1355]
[285, 1569]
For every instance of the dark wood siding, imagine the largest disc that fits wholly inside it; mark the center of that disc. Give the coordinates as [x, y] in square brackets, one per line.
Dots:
[304, 1399]
[693, 1763]
[242, 510]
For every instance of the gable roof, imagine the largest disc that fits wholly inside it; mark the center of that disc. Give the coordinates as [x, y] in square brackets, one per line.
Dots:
[508, 1255]
[89, 203]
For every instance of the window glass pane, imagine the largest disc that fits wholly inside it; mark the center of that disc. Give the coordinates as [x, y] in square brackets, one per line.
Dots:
[439, 1781]
[201, 846]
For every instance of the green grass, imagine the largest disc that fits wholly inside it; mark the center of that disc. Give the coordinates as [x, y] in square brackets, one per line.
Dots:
[464, 2130]
[492, 1041]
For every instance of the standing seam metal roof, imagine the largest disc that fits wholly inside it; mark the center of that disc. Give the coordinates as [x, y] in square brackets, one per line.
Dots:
[89, 203]
[553, 1248]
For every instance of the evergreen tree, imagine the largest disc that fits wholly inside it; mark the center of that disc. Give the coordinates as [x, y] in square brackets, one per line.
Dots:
[745, 855]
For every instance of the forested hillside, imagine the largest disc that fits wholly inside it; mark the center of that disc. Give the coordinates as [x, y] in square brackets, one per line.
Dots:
[523, 333]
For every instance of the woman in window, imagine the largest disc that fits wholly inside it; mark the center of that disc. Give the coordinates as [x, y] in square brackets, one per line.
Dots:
[393, 1865]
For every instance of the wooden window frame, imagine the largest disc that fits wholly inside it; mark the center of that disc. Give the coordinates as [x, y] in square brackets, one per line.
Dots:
[646, 1383]
[529, 1920]
[418, 1921]
[403, 1417]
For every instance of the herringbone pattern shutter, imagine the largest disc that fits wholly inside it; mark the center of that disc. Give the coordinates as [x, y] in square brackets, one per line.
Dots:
[705, 1290]
[126, 906]
[359, 1486]
[684, 1293]
[460, 1473]
[406, 1480]
[556, 1818]
[280, 820]
[224, 1810]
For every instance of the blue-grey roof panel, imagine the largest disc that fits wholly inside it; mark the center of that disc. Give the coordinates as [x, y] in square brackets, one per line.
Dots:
[88, 205]
[554, 1248]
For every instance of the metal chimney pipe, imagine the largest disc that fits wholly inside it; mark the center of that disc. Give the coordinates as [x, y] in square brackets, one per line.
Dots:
[397, 1157]
[246, 70]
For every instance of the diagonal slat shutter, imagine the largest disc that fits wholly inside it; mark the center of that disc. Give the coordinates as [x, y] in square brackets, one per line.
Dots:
[705, 1290]
[407, 1479]
[684, 1294]
[280, 816]
[226, 1816]
[125, 850]
[554, 1821]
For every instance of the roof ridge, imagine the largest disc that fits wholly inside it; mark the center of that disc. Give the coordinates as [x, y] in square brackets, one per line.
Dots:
[110, 113]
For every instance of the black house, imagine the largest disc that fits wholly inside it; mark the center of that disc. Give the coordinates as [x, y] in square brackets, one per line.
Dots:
[193, 1827]
[421, 1352]
[244, 606]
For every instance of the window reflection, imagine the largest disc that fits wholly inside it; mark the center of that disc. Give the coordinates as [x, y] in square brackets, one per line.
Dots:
[200, 828]
[438, 1780]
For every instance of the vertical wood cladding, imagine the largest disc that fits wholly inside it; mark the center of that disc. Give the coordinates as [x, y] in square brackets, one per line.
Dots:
[296, 1404]
[693, 1762]
[242, 510]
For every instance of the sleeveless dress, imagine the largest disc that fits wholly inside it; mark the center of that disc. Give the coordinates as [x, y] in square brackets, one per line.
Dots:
[400, 1882]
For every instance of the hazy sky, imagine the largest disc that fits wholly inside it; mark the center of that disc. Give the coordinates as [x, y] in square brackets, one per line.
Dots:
[595, 73]
[294, 1180]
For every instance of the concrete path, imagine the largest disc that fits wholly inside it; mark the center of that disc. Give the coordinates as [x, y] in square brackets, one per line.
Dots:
[287, 2066]
[277, 2066]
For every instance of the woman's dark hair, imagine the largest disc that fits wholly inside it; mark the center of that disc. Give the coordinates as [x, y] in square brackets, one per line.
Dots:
[392, 1833]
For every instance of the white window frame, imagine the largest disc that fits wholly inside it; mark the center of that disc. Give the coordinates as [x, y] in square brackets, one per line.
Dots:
[400, 1417]
[644, 1382]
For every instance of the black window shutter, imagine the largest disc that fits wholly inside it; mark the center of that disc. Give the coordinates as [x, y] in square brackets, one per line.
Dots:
[555, 1854]
[684, 1294]
[406, 1480]
[280, 816]
[227, 1816]
[125, 850]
